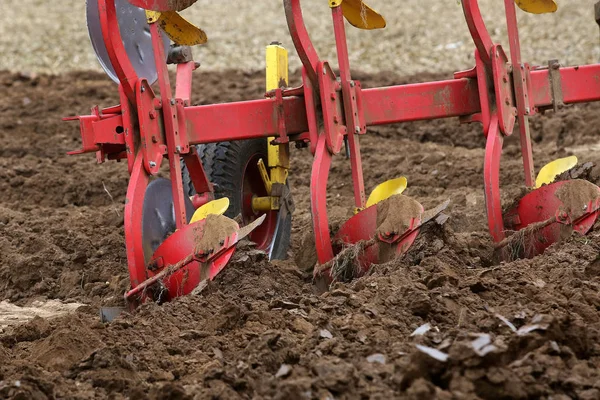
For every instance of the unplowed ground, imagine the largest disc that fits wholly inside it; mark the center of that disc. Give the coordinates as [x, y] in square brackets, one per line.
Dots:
[259, 330]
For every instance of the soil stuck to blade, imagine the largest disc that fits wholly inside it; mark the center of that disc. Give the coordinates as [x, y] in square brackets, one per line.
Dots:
[259, 330]
[575, 196]
[394, 214]
[217, 228]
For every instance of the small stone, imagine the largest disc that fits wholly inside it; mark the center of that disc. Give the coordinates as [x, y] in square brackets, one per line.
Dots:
[376, 358]
[325, 334]
[217, 352]
[286, 305]
[284, 370]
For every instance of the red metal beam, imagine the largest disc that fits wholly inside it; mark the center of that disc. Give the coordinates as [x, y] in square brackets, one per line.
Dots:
[387, 105]
[243, 120]
[579, 85]
[420, 101]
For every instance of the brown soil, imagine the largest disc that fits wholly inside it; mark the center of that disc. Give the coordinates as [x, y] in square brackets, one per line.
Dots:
[576, 195]
[524, 329]
[394, 214]
[216, 229]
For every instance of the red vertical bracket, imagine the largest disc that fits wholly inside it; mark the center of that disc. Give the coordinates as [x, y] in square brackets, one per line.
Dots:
[311, 111]
[171, 127]
[128, 128]
[503, 90]
[354, 117]
[491, 173]
[318, 201]
[279, 115]
[152, 144]
[183, 85]
[331, 106]
[522, 84]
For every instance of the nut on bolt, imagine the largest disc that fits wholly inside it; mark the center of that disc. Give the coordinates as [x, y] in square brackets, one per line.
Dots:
[152, 164]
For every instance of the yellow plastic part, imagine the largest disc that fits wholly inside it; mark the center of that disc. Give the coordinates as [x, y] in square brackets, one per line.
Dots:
[218, 207]
[537, 6]
[359, 14]
[177, 28]
[278, 157]
[387, 189]
[551, 170]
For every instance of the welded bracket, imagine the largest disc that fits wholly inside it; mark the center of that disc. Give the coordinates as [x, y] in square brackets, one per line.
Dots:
[332, 111]
[280, 115]
[152, 143]
[501, 70]
[555, 84]
[355, 120]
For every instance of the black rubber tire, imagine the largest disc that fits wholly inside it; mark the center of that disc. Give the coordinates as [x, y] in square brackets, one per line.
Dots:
[224, 165]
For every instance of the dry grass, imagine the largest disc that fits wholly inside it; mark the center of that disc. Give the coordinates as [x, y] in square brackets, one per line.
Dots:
[422, 35]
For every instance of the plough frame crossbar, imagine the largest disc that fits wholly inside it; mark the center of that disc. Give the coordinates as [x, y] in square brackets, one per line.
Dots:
[381, 106]
[325, 113]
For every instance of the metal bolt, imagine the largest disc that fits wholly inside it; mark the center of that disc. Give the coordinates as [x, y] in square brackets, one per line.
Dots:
[505, 78]
[143, 89]
[357, 129]
[507, 101]
[178, 149]
[172, 102]
[154, 139]
[335, 119]
[527, 110]
[332, 96]
[352, 84]
[152, 114]
[152, 164]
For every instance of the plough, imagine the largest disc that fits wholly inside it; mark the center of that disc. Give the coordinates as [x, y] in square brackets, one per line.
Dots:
[232, 160]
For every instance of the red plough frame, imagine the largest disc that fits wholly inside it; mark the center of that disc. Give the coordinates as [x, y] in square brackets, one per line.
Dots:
[496, 92]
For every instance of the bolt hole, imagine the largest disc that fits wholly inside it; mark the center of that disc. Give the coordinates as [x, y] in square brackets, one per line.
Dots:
[119, 129]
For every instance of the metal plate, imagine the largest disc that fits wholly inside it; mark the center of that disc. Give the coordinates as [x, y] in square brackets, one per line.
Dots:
[135, 33]
[158, 215]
